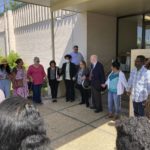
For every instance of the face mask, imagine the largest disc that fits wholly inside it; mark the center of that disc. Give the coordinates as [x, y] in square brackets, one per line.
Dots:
[67, 61]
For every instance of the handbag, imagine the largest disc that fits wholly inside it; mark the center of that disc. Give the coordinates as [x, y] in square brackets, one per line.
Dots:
[86, 84]
[18, 83]
[60, 77]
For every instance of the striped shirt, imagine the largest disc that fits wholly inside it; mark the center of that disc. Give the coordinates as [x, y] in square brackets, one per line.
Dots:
[138, 83]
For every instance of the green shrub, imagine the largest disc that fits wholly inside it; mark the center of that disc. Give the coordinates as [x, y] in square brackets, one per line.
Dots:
[11, 58]
[1, 57]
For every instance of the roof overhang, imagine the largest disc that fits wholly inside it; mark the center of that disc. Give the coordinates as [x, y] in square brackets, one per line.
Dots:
[108, 7]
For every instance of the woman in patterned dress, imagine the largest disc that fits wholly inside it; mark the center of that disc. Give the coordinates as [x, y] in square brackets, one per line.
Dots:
[20, 86]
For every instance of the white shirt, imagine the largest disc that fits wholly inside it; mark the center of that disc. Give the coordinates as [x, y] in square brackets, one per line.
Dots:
[67, 71]
[122, 83]
[138, 83]
[148, 74]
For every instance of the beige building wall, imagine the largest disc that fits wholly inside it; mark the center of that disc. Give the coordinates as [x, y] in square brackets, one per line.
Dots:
[2, 36]
[2, 43]
[101, 37]
[35, 39]
[10, 24]
[70, 31]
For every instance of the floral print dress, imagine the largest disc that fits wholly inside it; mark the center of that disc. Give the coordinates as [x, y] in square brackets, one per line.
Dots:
[21, 91]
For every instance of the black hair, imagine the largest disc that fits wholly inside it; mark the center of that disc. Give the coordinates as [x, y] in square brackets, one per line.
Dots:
[21, 126]
[76, 46]
[116, 64]
[18, 61]
[68, 56]
[141, 57]
[52, 62]
[133, 133]
[8, 69]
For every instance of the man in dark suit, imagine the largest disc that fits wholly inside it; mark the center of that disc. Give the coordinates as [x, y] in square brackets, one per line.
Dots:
[69, 73]
[97, 77]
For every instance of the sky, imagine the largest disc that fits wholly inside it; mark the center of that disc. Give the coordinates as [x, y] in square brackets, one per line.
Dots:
[2, 4]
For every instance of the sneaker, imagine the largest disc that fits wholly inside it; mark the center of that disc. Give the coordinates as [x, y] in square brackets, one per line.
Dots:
[110, 115]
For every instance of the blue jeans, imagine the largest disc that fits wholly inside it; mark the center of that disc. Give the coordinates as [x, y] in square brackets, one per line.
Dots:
[114, 100]
[138, 109]
[5, 87]
[37, 93]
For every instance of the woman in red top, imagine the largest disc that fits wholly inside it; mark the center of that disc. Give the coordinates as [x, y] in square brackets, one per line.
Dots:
[37, 75]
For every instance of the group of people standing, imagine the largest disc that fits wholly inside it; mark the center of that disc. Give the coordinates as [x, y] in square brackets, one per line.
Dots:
[76, 74]
[89, 80]
[20, 78]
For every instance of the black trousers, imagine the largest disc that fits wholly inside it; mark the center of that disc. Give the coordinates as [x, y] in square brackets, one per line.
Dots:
[96, 99]
[54, 87]
[138, 109]
[84, 94]
[70, 91]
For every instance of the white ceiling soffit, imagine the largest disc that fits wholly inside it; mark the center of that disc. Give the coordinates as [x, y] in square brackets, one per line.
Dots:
[108, 7]
[54, 4]
[114, 7]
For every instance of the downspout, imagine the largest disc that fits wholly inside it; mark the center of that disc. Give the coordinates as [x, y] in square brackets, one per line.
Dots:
[52, 35]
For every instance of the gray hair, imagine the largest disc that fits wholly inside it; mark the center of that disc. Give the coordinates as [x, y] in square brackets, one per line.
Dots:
[36, 59]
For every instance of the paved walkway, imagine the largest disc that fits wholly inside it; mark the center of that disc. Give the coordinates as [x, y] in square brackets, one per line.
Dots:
[74, 127]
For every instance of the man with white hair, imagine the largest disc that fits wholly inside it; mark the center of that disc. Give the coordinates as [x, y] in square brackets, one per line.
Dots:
[97, 77]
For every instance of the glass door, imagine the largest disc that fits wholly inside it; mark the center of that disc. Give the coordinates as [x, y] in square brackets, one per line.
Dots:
[147, 36]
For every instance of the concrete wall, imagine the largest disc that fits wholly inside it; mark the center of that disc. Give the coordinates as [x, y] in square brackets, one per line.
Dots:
[101, 37]
[69, 32]
[35, 39]
[2, 36]
[2, 43]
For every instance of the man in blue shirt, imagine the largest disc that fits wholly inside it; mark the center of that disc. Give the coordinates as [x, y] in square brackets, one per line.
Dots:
[77, 57]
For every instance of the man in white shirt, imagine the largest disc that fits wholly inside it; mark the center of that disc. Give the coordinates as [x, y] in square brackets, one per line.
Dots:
[138, 86]
[69, 73]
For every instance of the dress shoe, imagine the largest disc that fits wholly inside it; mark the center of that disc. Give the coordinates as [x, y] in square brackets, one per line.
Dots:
[92, 107]
[71, 100]
[81, 103]
[110, 115]
[98, 111]
[54, 101]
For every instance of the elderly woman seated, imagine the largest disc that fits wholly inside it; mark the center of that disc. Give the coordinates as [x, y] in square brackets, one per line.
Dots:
[21, 126]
